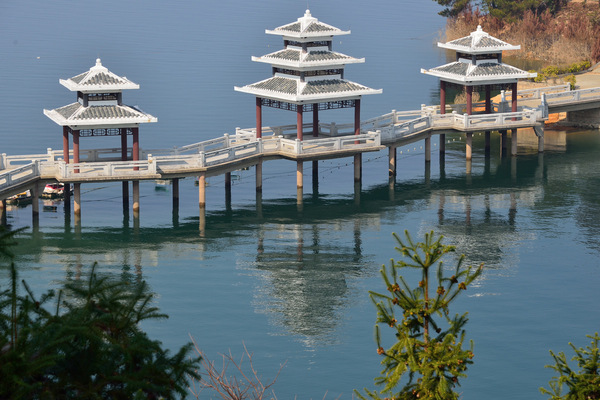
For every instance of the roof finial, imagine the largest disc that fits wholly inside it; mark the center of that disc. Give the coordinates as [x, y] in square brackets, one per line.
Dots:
[98, 62]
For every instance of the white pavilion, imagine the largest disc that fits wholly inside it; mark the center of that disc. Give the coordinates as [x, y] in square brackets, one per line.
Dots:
[99, 111]
[478, 64]
[307, 75]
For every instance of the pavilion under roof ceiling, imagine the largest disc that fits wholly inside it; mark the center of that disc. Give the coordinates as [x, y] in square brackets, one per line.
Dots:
[98, 79]
[478, 42]
[307, 27]
[481, 74]
[295, 91]
[77, 116]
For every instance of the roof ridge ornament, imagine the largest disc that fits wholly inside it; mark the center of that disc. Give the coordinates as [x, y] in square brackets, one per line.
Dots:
[478, 35]
[306, 20]
[98, 67]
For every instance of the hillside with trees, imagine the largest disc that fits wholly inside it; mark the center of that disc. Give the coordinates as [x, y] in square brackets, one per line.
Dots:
[555, 32]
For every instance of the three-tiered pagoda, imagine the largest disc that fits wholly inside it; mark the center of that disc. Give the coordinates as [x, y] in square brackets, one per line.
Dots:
[478, 64]
[99, 111]
[307, 75]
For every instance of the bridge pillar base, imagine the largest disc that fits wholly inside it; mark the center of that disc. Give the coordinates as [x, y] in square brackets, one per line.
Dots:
[136, 196]
[175, 188]
[299, 175]
[428, 149]
[487, 142]
[202, 192]
[357, 168]
[514, 140]
[392, 163]
[540, 144]
[259, 177]
[3, 212]
[503, 143]
[442, 143]
[469, 146]
[77, 199]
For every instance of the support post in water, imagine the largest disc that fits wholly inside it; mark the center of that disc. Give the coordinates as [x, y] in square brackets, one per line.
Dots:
[392, 163]
[259, 176]
[358, 168]
[513, 142]
[136, 196]
[469, 146]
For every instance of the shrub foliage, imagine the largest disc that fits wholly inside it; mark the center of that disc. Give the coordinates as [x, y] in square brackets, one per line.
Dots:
[428, 349]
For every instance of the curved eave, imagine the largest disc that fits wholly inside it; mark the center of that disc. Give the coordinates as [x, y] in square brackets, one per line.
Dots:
[479, 79]
[104, 88]
[92, 123]
[313, 98]
[300, 65]
[478, 50]
[324, 35]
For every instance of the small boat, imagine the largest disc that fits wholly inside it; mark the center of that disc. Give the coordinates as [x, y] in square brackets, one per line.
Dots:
[20, 199]
[53, 190]
[162, 185]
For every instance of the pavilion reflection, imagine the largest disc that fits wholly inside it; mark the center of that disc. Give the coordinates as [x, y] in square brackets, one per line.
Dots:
[308, 274]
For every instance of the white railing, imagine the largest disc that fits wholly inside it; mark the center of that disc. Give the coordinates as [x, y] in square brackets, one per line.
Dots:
[113, 170]
[394, 117]
[536, 93]
[339, 143]
[405, 129]
[19, 175]
[573, 96]
[9, 162]
[497, 120]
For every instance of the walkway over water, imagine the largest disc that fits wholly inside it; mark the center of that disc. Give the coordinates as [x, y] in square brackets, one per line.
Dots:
[242, 149]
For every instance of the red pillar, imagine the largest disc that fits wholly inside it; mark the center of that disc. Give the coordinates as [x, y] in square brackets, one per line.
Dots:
[299, 111]
[76, 149]
[67, 192]
[514, 97]
[316, 120]
[66, 144]
[442, 97]
[125, 184]
[488, 99]
[357, 117]
[258, 117]
[469, 100]
[136, 145]
[123, 132]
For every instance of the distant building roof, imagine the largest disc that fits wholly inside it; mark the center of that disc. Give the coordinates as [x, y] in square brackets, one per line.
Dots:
[295, 91]
[478, 42]
[307, 27]
[98, 80]
[77, 116]
[482, 73]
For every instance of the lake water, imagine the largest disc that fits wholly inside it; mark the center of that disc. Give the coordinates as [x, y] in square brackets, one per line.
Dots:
[292, 283]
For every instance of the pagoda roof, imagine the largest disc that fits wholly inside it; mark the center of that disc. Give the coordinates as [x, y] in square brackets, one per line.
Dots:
[479, 42]
[483, 73]
[295, 91]
[296, 58]
[103, 116]
[307, 27]
[98, 79]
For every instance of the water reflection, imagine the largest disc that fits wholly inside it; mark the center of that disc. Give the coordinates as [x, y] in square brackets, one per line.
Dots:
[305, 284]
[306, 262]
